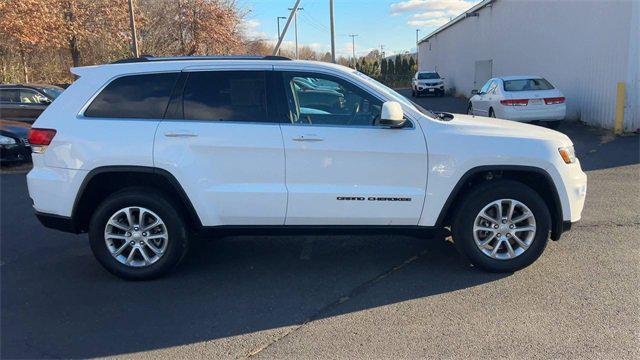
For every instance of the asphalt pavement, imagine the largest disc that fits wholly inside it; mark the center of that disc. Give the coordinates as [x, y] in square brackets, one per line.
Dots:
[337, 296]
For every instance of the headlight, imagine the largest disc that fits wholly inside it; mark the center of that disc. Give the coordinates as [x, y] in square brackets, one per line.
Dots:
[5, 140]
[568, 154]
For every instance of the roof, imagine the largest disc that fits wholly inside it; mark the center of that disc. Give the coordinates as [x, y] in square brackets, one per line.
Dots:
[519, 77]
[458, 18]
[148, 58]
[28, 86]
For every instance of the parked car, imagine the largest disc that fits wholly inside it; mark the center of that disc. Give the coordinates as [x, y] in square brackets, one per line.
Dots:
[14, 146]
[427, 82]
[26, 102]
[519, 98]
[145, 155]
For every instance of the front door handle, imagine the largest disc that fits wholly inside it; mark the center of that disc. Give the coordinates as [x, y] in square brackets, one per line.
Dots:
[309, 137]
[179, 134]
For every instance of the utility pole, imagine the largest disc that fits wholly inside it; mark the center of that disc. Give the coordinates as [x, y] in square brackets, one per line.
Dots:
[295, 25]
[417, 50]
[333, 34]
[278, 20]
[353, 48]
[134, 36]
[286, 27]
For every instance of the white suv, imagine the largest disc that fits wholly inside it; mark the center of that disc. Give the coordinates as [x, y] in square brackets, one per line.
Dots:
[146, 154]
[427, 82]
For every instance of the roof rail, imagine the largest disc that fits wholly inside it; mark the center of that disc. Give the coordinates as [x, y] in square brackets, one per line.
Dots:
[149, 58]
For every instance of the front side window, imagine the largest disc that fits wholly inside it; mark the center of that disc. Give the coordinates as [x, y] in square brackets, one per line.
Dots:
[319, 99]
[226, 96]
[134, 96]
[527, 85]
[32, 97]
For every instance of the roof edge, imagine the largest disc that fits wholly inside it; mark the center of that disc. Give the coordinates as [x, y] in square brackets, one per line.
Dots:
[456, 19]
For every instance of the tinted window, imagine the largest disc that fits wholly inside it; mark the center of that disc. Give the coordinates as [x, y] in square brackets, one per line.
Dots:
[53, 92]
[226, 96]
[325, 100]
[11, 95]
[527, 85]
[428, 76]
[136, 96]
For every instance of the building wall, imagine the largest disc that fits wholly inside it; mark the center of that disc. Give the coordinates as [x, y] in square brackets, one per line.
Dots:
[583, 47]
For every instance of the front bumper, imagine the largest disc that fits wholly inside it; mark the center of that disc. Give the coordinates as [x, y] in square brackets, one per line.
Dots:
[57, 222]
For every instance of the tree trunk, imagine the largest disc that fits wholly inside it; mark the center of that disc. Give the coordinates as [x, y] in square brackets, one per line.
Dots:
[25, 71]
[75, 51]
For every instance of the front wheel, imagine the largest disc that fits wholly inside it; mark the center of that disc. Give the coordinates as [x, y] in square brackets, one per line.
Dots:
[470, 109]
[136, 234]
[502, 226]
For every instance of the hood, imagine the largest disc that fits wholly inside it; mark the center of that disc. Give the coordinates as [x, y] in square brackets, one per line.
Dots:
[506, 128]
[17, 128]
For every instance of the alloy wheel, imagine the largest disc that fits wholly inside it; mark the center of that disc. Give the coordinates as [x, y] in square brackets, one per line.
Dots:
[136, 236]
[504, 229]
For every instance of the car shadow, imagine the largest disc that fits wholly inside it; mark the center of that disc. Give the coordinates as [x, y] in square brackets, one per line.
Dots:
[69, 307]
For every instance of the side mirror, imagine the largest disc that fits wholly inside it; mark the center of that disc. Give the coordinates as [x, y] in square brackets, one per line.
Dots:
[392, 114]
[474, 92]
[45, 101]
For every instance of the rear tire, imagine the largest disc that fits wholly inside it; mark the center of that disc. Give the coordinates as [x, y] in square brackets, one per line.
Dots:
[492, 114]
[470, 109]
[145, 254]
[508, 257]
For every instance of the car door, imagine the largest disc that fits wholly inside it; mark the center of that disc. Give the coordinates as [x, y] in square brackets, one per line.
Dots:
[220, 142]
[32, 104]
[492, 97]
[481, 104]
[342, 167]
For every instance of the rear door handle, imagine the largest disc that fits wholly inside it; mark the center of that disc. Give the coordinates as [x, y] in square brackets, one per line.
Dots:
[179, 134]
[309, 137]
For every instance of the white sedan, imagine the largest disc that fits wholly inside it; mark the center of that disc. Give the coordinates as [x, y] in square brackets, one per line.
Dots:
[519, 98]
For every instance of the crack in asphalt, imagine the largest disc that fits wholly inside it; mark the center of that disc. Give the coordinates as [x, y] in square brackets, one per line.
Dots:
[353, 293]
[606, 224]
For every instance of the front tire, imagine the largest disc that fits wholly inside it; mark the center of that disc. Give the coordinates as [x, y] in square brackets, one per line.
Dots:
[502, 226]
[136, 234]
[470, 109]
[492, 113]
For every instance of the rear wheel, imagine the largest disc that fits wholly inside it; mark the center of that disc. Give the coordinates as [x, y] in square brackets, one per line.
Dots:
[492, 113]
[137, 234]
[502, 226]
[470, 109]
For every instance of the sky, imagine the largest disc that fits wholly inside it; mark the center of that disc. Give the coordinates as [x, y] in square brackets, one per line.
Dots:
[389, 23]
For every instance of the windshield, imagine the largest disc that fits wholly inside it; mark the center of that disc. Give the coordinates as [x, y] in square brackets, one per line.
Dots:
[52, 92]
[395, 95]
[428, 76]
[527, 85]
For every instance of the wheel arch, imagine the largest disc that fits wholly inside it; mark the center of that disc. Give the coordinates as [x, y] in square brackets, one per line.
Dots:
[536, 178]
[103, 181]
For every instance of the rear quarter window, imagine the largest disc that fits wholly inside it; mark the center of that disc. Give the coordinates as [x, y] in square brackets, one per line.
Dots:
[135, 96]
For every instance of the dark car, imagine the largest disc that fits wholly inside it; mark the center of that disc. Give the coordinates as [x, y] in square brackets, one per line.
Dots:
[26, 102]
[14, 146]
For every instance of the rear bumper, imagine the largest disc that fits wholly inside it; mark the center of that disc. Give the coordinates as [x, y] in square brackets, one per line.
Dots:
[57, 222]
[516, 113]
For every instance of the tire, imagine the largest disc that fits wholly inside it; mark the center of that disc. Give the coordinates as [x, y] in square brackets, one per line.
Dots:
[470, 109]
[492, 113]
[173, 247]
[467, 215]
[413, 93]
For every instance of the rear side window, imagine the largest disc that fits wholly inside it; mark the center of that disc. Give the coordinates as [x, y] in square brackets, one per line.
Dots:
[527, 85]
[226, 96]
[135, 96]
[10, 96]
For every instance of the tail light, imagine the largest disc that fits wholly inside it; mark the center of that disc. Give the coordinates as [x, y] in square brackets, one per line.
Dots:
[515, 102]
[40, 139]
[554, 100]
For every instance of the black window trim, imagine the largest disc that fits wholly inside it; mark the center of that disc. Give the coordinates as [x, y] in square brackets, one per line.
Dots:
[86, 105]
[285, 105]
[20, 89]
[175, 107]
